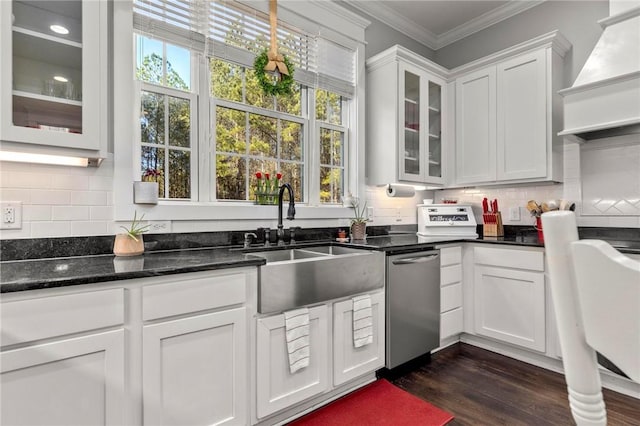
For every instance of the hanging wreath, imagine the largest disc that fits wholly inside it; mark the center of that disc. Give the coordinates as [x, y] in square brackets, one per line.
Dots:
[269, 84]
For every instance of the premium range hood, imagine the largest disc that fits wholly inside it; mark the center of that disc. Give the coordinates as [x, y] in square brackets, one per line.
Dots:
[604, 100]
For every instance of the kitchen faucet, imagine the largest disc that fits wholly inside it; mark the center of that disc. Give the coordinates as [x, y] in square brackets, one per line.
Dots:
[291, 212]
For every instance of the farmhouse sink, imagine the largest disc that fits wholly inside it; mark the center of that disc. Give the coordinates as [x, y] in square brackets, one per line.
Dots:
[298, 277]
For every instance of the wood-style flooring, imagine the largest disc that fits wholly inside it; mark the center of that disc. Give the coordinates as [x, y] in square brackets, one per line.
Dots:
[480, 387]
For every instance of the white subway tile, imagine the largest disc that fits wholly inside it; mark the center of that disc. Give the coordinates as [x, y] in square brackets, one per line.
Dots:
[51, 197]
[50, 229]
[101, 183]
[12, 234]
[79, 229]
[35, 213]
[101, 213]
[75, 182]
[70, 213]
[15, 195]
[89, 198]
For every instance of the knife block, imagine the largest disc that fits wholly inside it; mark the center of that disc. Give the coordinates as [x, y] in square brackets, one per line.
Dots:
[492, 225]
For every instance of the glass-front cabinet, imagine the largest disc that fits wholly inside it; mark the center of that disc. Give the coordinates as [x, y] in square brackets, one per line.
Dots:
[406, 119]
[54, 73]
[420, 139]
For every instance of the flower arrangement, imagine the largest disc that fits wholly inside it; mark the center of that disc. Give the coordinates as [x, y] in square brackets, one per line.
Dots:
[267, 186]
[151, 175]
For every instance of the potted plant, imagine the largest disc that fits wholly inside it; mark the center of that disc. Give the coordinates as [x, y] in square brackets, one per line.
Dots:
[146, 191]
[131, 243]
[359, 222]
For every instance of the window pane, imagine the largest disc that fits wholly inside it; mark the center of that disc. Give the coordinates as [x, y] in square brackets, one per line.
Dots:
[152, 118]
[292, 173]
[178, 67]
[179, 122]
[180, 175]
[231, 175]
[153, 158]
[149, 66]
[264, 135]
[230, 130]
[291, 104]
[331, 147]
[263, 166]
[330, 185]
[291, 140]
[255, 95]
[335, 108]
[226, 80]
[321, 105]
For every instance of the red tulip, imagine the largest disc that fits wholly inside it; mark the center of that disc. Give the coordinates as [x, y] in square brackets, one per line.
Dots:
[266, 175]
[279, 176]
[259, 175]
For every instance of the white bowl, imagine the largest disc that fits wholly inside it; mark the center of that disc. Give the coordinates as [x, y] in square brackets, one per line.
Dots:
[427, 201]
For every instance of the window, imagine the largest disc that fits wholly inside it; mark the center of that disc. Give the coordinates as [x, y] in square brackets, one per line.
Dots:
[205, 123]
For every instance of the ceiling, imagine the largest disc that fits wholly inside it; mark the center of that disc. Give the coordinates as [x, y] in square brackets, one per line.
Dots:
[437, 23]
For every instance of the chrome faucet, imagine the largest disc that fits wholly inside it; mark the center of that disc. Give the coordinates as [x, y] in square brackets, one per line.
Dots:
[247, 239]
[291, 212]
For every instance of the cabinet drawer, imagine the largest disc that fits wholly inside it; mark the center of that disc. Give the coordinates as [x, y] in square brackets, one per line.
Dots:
[451, 323]
[450, 256]
[509, 258]
[450, 275]
[46, 317]
[192, 293]
[450, 297]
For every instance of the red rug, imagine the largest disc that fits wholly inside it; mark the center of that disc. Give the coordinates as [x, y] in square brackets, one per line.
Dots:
[379, 403]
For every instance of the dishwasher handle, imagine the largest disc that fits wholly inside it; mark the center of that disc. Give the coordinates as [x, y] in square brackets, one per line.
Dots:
[417, 259]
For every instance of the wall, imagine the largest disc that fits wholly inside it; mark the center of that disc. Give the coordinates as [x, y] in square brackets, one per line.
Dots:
[576, 20]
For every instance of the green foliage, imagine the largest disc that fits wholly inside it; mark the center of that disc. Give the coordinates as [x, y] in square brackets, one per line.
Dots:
[152, 72]
[136, 228]
[359, 214]
[269, 86]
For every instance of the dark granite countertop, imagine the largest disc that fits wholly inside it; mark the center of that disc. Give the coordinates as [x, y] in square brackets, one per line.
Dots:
[59, 272]
[75, 270]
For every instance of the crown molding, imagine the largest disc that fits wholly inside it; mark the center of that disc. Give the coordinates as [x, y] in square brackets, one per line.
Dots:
[485, 20]
[400, 23]
[387, 15]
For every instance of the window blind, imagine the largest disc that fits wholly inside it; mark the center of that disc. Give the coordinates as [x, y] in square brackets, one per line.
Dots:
[237, 33]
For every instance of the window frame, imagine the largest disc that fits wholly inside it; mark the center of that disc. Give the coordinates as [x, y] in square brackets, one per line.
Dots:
[345, 27]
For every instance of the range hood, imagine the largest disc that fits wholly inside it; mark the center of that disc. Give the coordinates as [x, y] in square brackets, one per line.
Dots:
[604, 100]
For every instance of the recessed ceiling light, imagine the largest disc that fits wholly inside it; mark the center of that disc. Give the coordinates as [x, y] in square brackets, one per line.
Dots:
[60, 78]
[59, 29]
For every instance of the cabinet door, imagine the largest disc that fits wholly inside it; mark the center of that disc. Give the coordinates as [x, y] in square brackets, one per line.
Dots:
[413, 121]
[476, 126]
[53, 85]
[350, 362]
[510, 306]
[522, 117]
[194, 370]
[77, 381]
[277, 388]
[436, 131]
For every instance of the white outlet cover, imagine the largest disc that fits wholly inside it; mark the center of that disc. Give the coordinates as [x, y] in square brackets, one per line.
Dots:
[17, 215]
[514, 214]
[159, 227]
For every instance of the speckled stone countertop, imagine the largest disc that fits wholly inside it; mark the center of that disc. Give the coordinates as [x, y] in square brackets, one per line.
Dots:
[58, 272]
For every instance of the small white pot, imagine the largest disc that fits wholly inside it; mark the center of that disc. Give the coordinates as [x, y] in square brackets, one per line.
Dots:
[145, 192]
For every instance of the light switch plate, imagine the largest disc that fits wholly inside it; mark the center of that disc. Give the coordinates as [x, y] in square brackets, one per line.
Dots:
[514, 214]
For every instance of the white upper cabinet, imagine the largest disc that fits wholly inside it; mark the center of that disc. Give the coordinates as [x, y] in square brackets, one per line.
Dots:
[53, 75]
[406, 98]
[508, 115]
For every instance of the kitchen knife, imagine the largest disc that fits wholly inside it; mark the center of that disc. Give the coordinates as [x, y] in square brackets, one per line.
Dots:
[494, 205]
[485, 206]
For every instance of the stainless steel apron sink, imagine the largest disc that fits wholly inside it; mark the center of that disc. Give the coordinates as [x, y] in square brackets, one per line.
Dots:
[304, 276]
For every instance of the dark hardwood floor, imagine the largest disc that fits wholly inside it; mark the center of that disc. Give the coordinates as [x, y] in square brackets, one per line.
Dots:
[480, 387]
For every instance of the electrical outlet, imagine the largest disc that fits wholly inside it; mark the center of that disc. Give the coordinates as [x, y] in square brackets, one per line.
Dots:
[514, 214]
[11, 215]
[159, 226]
[370, 212]
[398, 215]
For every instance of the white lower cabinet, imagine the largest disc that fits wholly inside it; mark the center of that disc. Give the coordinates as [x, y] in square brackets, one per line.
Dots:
[277, 388]
[194, 370]
[350, 362]
[509, 303]
[451, 313]
[76, 381]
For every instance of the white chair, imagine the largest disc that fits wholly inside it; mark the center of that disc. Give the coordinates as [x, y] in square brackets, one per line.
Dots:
[596, 295]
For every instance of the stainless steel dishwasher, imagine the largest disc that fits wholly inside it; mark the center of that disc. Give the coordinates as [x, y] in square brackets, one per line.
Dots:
[413, 305]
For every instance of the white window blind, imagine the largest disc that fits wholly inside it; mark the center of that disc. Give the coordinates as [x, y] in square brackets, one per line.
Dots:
[234, 32]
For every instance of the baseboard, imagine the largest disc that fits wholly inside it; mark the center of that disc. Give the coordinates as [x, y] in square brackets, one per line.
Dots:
[609, 380]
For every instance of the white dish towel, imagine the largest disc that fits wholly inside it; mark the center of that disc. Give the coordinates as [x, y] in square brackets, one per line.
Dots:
[362, 321]
[296, 325]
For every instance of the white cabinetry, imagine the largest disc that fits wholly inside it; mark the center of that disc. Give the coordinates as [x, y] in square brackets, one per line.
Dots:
[508, 114]
[350, 362]
[277, 388]
[406, 128]
[48, 377]
[54, 85]
[194, 368]
[451, 313]
[509, 296]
